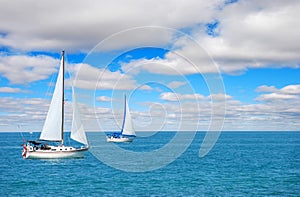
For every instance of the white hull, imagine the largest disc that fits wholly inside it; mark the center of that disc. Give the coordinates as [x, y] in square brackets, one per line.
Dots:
[119, 139]
[56, 152]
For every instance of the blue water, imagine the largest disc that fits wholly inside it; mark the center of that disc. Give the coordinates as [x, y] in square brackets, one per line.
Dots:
[240, 164]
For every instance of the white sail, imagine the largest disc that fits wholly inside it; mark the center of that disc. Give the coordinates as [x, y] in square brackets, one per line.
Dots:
[52, 129]
[127, 128]
[77, 131]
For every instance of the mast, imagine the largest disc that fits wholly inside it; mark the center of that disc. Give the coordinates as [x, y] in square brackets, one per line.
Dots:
[63, 97]
[124, 114]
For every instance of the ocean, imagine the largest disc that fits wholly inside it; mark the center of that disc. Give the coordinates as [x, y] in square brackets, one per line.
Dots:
[240, 164]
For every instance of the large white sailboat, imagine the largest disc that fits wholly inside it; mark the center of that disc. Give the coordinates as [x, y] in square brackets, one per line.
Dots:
[127, 133]
[53, 130]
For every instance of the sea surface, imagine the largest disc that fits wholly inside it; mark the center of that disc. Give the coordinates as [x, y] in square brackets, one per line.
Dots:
[240, 164]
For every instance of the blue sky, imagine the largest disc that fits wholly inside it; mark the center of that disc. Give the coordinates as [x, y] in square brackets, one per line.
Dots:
[181, 64]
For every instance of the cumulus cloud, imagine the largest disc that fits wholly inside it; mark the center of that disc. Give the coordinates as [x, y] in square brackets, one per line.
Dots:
[255, 34]
[272, 96]
[170, 96]
[159, 66]
[20, 69]
[29, 114]
[265, 88]
[104, 99]
[291, 89]
[247, 34]
[287, 92]
[219, 97]
[10, 90]
[145, 87]
[185, 57]
[273, 111]
[51, 26]
[238, 117]
[89, 77]
[176, 84]
[28, 69]
[196, 111]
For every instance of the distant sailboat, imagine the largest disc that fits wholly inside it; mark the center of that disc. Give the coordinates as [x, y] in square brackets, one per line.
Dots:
[53, 130]
[127, 133]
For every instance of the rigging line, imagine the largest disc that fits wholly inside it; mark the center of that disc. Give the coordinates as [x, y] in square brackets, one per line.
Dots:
[21, 133]
[51, 85]
[69, 77]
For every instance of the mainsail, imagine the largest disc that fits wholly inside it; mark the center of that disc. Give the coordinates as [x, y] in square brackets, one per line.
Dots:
[52, 130]
[77, 131]
[127, 128]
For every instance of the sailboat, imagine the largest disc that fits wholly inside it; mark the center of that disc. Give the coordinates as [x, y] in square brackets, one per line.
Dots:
[53, 130]
[127, 133]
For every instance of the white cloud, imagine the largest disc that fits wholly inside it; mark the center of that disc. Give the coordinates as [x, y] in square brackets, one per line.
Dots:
[219, 97]
[104, 99]
[291, 89]
[170, 96]
[265, 88]
[277, 115]
[158, 66]
[272, 96]
[53, 26]
[255, 34]
[195, 111]
[17, 111]
[10, 90]
[20, 69]
[175, 63]
[30, 113]
[251, 34]
[28, 69]
[89, 77]
[287, 92]
[145, 87]
[189, 57]
[176, 84]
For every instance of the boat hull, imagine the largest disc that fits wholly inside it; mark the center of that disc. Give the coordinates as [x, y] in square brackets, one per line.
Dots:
[119, 139]
[59, 152]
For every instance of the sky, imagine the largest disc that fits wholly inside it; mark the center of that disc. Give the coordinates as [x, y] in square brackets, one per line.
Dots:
[230, 65]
